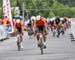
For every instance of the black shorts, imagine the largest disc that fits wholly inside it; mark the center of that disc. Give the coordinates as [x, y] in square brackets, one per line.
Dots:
[19, 30]
[40, 29]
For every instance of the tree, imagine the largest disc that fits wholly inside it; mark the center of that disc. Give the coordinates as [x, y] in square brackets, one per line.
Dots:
[45, 7]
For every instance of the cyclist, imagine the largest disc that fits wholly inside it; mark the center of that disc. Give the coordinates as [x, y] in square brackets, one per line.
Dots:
[40, 25]
[19, 27]
[5, 21]
[58, 25]
[6, 24]
[31, 22]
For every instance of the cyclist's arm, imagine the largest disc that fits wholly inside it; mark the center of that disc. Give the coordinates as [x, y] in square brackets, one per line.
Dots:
[35, 25]
[45, 25]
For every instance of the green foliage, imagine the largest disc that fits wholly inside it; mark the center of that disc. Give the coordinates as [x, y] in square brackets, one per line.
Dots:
[51, 14]
[46, 8]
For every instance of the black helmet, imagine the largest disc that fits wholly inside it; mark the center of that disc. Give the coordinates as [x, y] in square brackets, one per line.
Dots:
[57, 19]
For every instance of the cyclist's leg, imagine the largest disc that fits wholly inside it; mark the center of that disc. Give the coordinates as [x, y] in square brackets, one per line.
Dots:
[44, 39]
[20, 33]
[63, 31]
[17, 34]
[21, 37]
[44, 36]
[21, 40]
[59, 30]
[37, 35]
[51, 29]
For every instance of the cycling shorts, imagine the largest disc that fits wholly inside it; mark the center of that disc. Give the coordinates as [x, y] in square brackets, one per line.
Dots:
[40, 29]
[19, 30]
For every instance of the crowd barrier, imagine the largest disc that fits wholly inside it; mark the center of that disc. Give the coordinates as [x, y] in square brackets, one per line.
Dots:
[3, 32]
[73, 27]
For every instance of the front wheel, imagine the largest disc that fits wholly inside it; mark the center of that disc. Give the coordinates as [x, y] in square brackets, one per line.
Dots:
[18, 45]
[41, 46]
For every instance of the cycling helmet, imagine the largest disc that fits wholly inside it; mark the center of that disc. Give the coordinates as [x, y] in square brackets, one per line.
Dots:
[33, 18]
[18, 21]
[38, 17]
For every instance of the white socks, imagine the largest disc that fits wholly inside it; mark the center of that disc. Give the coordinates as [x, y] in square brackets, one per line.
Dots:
[21, 45]
[44, 43]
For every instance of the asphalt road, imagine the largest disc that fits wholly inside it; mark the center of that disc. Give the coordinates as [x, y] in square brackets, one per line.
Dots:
[62, 48]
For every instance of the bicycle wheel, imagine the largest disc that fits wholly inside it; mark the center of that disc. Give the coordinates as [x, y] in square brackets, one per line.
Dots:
[54, 33]
[41, 46]
[18, 45]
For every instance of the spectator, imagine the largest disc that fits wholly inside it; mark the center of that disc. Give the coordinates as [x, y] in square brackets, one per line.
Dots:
[5, 21]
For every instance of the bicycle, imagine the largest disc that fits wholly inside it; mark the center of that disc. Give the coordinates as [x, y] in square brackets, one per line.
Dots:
[19, 42]
[30, 32]
[41, 43]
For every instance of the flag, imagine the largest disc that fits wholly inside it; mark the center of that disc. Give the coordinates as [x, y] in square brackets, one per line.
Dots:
[7, 12]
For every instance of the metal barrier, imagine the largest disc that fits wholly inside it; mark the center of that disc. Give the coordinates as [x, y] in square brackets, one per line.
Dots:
[3, 32]
[73, 27]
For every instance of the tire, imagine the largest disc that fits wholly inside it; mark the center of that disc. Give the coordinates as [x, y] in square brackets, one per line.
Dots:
[41, 46]
[18, 45]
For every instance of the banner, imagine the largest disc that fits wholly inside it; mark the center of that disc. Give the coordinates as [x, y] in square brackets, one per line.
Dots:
[7, 12]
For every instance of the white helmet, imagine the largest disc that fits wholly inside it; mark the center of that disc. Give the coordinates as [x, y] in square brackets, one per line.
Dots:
[18, 21]
[38, 17]
[33, 18]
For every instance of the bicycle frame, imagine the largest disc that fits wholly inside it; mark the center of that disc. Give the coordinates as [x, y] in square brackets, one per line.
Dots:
[41, 43]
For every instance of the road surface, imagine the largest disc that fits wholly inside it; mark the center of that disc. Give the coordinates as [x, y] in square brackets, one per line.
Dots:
[62, 48]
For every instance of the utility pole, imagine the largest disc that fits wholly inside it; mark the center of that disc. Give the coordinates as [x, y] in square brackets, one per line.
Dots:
[36, 6]
[23, 13]
[69, 1]
[27, 14]
[16, 10]
[17, 3]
